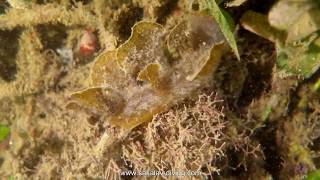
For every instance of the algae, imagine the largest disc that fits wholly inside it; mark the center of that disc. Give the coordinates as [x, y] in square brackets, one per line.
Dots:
[160, 89]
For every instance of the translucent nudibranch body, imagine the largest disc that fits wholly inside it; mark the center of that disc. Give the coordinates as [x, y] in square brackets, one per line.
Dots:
[153, 70]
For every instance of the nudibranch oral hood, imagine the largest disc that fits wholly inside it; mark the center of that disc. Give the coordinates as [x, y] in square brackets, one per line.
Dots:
[153, 70]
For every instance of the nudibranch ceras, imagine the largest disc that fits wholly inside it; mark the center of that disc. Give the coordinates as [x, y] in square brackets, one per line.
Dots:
[153, 70]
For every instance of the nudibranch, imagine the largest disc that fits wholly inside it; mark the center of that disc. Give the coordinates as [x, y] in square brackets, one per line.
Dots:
[153, 70]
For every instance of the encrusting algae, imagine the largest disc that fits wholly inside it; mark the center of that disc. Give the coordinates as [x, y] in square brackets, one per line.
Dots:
[153, 70]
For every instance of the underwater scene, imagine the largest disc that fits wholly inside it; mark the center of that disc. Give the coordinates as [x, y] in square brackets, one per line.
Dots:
[160, 89]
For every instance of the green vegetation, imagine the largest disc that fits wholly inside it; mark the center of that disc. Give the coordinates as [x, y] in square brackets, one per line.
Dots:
[297, 51]
[224, 20]
[313, 175]
[4, 132]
